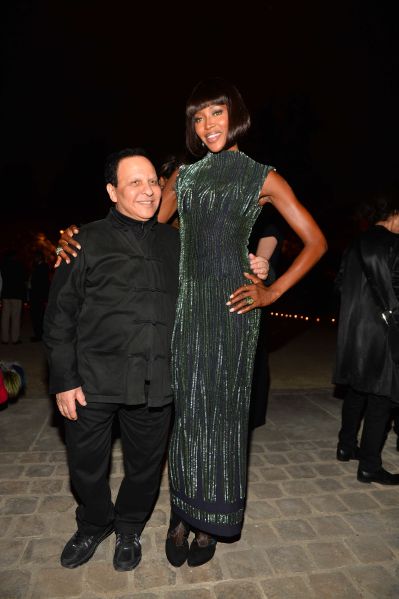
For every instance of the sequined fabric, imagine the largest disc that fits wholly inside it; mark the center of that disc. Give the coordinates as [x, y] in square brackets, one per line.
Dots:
[213, 349]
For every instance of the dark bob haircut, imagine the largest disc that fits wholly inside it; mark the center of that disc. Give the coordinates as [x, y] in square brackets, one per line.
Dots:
[216, 91]
[112, 162]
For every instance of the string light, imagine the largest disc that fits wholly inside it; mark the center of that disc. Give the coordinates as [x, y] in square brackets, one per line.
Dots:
[307, 318]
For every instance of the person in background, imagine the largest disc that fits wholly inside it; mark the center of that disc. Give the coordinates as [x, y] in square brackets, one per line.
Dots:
[365, 364]
[13, 294]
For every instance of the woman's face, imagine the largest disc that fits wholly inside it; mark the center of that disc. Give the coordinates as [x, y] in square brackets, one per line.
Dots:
[211, 124]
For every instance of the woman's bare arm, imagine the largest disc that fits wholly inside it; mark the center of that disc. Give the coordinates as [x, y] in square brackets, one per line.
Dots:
[169, 201]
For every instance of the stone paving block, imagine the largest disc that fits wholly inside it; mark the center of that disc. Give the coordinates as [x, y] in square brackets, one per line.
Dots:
[298, 487]
[264, 491]
[351, 482]
[261, 510]
[327, 504]
[331, 554]
[58, 504]
[387, 497]
[258, 448]
[286, 588]
[259, 535]
[235, 590]
[158, 518]
[275, 459]
[303, 445]
[45, 550]
[39, 470]
[368, 548]
[209, 572]
[10, 471]
[246, 564]
[359, 501]
[53, 583]
[29, 526]
[19, 505]
[375, 580]
[10, 552]
[14, 487]
[279, 447]
[329, 469]
[103, 578]
[273, 474]
[34, 457]
[154, 572]
[327, 485]
[197, 593]
[292, 506]
[133, 595]
[62, 526]
[49, 442]
[393, 541]
[301, 471]
[5, 525]
[14, 584]
[299, 457]
[365, 522]
[254, 476]
[46, 487]
[58, 457]
[327, 455]
[294, 530]
[256, 460]
[333, 585]
[10, 458]
[390, 518]
[288, 559]
[330, 526]
[61, 470]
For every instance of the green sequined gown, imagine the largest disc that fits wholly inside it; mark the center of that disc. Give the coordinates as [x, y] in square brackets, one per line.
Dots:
[213, 350]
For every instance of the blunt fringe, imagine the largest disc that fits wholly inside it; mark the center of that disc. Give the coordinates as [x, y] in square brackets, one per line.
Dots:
[216, 91]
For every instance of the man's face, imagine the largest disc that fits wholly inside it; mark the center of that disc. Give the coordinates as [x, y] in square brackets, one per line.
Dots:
[137, 193]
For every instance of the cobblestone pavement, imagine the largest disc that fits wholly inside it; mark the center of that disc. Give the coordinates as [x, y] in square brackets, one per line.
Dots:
[311, 530]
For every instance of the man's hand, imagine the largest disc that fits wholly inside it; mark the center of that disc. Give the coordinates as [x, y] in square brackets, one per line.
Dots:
[248, 297]
[67, 242]
[259, 266]
[66, 402]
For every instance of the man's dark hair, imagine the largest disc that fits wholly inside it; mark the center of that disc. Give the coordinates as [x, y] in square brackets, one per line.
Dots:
[381, 207]
[112, 162]
[216, 91]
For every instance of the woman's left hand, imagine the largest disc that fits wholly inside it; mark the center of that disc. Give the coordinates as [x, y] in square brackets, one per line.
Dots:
[259, 266]
[247, 297]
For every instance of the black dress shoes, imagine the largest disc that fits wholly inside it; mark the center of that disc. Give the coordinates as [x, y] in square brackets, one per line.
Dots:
[81, 547]
[176, 545]
[202, 549]
[127, 551]
[344, 455]
[380, 476]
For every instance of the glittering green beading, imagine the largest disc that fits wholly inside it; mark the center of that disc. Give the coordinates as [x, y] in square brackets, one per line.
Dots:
[213, 349]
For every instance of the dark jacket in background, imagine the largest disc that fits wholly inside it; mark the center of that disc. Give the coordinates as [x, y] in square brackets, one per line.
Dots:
[363, 356]
[14, 278]
[110, 315]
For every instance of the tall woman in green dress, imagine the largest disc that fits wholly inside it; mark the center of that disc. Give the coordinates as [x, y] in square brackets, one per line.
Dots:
[218, 200]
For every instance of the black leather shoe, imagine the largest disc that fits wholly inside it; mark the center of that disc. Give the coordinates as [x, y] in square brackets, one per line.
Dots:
[200, 553]
[343, 455]
[176, 545]
[380, 476]
[81, 547]
[127, 551]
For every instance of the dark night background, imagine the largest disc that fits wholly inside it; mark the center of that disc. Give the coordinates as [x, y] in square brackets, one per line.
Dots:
[81, 79]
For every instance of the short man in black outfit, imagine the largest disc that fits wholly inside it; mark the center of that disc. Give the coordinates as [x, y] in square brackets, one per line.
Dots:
[107, 332]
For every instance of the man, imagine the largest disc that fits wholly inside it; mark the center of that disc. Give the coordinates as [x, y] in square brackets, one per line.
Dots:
[366, 360]
[107, 332]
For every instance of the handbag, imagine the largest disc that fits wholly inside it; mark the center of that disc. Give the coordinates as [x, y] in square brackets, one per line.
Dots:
[387, 311]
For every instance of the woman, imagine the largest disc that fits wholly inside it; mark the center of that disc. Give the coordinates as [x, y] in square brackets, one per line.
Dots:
[218, 200]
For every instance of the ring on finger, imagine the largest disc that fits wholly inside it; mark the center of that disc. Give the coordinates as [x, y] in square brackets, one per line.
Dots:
[59, 249]
[249, 300]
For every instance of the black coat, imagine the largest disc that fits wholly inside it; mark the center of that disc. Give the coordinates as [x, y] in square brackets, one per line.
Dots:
[363, 357]
[110, 315]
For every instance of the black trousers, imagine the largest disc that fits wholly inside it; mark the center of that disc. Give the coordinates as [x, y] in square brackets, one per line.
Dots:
[376, 411]
[144, 436]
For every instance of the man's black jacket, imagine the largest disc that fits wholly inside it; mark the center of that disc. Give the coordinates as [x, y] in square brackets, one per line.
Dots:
[110, 315]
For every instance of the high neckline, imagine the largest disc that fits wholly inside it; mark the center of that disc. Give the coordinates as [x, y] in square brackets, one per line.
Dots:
[127, 223]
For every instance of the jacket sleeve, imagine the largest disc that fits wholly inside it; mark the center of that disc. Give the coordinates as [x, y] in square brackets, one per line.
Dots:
[60, 324]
